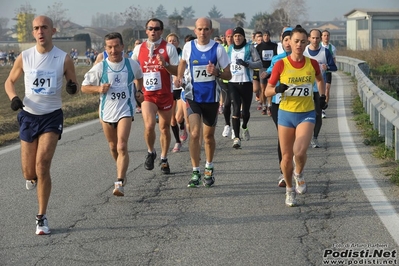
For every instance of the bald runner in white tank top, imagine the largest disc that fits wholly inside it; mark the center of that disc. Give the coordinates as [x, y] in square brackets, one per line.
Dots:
[43, 87]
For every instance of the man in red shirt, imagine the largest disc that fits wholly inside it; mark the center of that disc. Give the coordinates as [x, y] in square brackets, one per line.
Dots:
[158, 60]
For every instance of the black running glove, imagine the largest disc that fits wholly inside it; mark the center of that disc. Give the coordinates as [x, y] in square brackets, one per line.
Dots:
[281, 88]
[71, 87]
[322, 101]
[138, 96]
[16, 103]
[242, 62]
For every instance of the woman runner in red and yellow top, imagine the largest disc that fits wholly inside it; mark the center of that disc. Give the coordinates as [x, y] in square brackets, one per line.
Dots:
[295, 75]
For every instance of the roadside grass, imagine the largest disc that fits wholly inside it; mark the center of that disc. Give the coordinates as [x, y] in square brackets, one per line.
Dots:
[381, 61]
[384, 73]
[373, 139]
[77, 108]
[384, 67]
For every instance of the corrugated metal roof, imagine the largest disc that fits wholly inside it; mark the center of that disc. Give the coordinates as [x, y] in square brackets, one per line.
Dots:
[374, 11]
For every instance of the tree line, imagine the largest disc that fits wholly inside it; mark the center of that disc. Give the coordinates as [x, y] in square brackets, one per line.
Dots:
[284, 12]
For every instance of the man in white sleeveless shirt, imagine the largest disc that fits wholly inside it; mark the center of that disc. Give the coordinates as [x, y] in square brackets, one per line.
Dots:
[118, 80]
[44, 67]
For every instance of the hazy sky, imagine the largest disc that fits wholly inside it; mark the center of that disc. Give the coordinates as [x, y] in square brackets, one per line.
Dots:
[81, 11]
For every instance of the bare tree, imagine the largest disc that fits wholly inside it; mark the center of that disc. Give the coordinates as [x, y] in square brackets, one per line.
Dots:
[254, 19]
[128, 37]
[271, 22]
[58, 15]
[24, 17]
[296, 10]
[3, 27]
[4, 22]
[110, 20]
[135, 15]
[262, 22]
[279, 19]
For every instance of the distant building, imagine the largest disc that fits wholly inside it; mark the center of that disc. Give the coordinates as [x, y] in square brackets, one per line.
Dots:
[337, 29]
[223, 24]
[372, 28]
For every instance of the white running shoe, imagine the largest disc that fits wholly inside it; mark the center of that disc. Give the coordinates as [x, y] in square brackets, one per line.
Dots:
[323, 114]
[183, 135]
[226, 131]
[245, 134]
[31, 184]
[233, 135]
[315, 143]
[42, 227]
[300, 183]
[236, 143]
[177, 147]
[119, 190]
[281, 181]
[290, 199]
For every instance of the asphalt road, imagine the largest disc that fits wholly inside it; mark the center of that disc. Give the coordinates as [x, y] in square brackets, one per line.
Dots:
[349, 213]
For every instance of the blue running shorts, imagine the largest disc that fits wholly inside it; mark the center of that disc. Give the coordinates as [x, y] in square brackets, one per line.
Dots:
[292, 119]
[31, 126]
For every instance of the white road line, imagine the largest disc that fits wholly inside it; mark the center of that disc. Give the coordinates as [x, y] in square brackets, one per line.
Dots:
[373, 192]
[66, 130]
[79, 126]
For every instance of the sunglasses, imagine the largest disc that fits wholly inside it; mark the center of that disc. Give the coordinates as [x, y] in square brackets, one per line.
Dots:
[153, 28]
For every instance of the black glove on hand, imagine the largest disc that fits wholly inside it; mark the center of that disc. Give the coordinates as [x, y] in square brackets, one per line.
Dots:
[16, 103]
[322, 101]
[71, 87]
[242, 62]
[137, 100]
[281, 88]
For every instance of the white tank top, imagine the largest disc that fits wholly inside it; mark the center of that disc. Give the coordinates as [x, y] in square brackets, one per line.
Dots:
[119, 101]
[320, 57]
[43, 80]
[239, 73]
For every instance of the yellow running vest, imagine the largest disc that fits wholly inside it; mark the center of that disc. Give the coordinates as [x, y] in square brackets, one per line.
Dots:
[299, 96]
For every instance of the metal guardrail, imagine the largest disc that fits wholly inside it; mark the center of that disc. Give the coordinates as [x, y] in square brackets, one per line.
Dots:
[382, 108]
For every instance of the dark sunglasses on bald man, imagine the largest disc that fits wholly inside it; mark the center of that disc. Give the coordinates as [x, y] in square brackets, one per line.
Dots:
[154, 28]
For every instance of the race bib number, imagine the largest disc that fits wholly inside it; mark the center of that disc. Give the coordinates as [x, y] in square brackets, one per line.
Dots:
[118, 89]
[200, 74]
[152, 81]
[267, 55]
[236, 69]
[117, 93]
[304, 90]
[42, 82]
